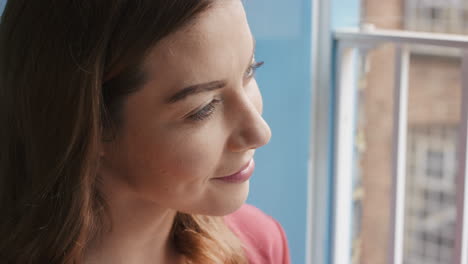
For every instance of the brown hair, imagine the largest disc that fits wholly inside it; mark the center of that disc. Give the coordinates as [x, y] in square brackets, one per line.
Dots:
[65, 70]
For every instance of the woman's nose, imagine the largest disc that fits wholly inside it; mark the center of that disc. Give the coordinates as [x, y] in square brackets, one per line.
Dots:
[250, 131]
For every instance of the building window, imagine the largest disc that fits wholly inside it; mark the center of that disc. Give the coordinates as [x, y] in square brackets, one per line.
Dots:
[435, 164]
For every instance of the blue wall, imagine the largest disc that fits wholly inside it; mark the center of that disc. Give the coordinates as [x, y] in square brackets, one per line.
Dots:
[279, 187]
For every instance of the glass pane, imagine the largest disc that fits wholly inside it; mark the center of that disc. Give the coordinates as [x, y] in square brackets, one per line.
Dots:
[373, 148]
[442, 16]
[433, 122]
[434, 108]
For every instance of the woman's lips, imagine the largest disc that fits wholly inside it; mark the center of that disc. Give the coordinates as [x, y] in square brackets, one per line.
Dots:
[241, 176]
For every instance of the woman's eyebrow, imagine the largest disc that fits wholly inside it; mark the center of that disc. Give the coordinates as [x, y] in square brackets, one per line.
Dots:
[194, 89]
[203, 87]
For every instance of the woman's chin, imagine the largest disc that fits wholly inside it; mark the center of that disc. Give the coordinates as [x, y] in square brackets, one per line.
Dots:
[228, 204]
[224, 202]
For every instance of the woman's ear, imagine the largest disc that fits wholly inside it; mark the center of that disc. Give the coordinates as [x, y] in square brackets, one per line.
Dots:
[104, 146]
[104, 151]
[107, 138]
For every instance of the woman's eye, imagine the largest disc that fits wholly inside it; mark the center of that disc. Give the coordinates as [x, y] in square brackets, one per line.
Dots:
[252, 69]
[205, 112]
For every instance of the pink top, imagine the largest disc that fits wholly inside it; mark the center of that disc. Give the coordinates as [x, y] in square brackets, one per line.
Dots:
[263, 237]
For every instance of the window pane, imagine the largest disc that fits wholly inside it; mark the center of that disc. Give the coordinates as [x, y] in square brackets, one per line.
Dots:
[373, 148]
[442, 16]
[434, 108]
[434, 116]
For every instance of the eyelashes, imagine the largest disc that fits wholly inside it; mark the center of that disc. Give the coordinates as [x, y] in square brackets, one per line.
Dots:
[206, 111]
[253, 68]
[210, 108]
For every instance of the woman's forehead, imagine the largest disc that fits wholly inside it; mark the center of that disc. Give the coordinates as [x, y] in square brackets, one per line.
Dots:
[220, 37]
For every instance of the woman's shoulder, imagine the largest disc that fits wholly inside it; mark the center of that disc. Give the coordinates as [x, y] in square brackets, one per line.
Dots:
[263, 237]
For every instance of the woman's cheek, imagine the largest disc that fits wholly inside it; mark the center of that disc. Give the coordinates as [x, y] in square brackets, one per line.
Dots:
[186, 158]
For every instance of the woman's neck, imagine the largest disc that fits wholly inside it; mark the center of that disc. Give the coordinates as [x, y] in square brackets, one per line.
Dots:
[139, 231]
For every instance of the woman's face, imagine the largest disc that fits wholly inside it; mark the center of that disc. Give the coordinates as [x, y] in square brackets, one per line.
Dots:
[175, 143]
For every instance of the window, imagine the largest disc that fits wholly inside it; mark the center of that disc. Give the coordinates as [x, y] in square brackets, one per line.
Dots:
[399, 133]
[435, 164]
[400, 124]
[430, 194]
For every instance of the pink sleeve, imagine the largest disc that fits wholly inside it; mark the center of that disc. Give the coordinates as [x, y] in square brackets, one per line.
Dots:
[263, 237]
[283, 247]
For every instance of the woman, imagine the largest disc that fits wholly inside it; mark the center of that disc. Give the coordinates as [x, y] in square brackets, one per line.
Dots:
[128, 134]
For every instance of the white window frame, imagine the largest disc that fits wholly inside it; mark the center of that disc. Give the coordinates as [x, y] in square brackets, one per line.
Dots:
[319, 182]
